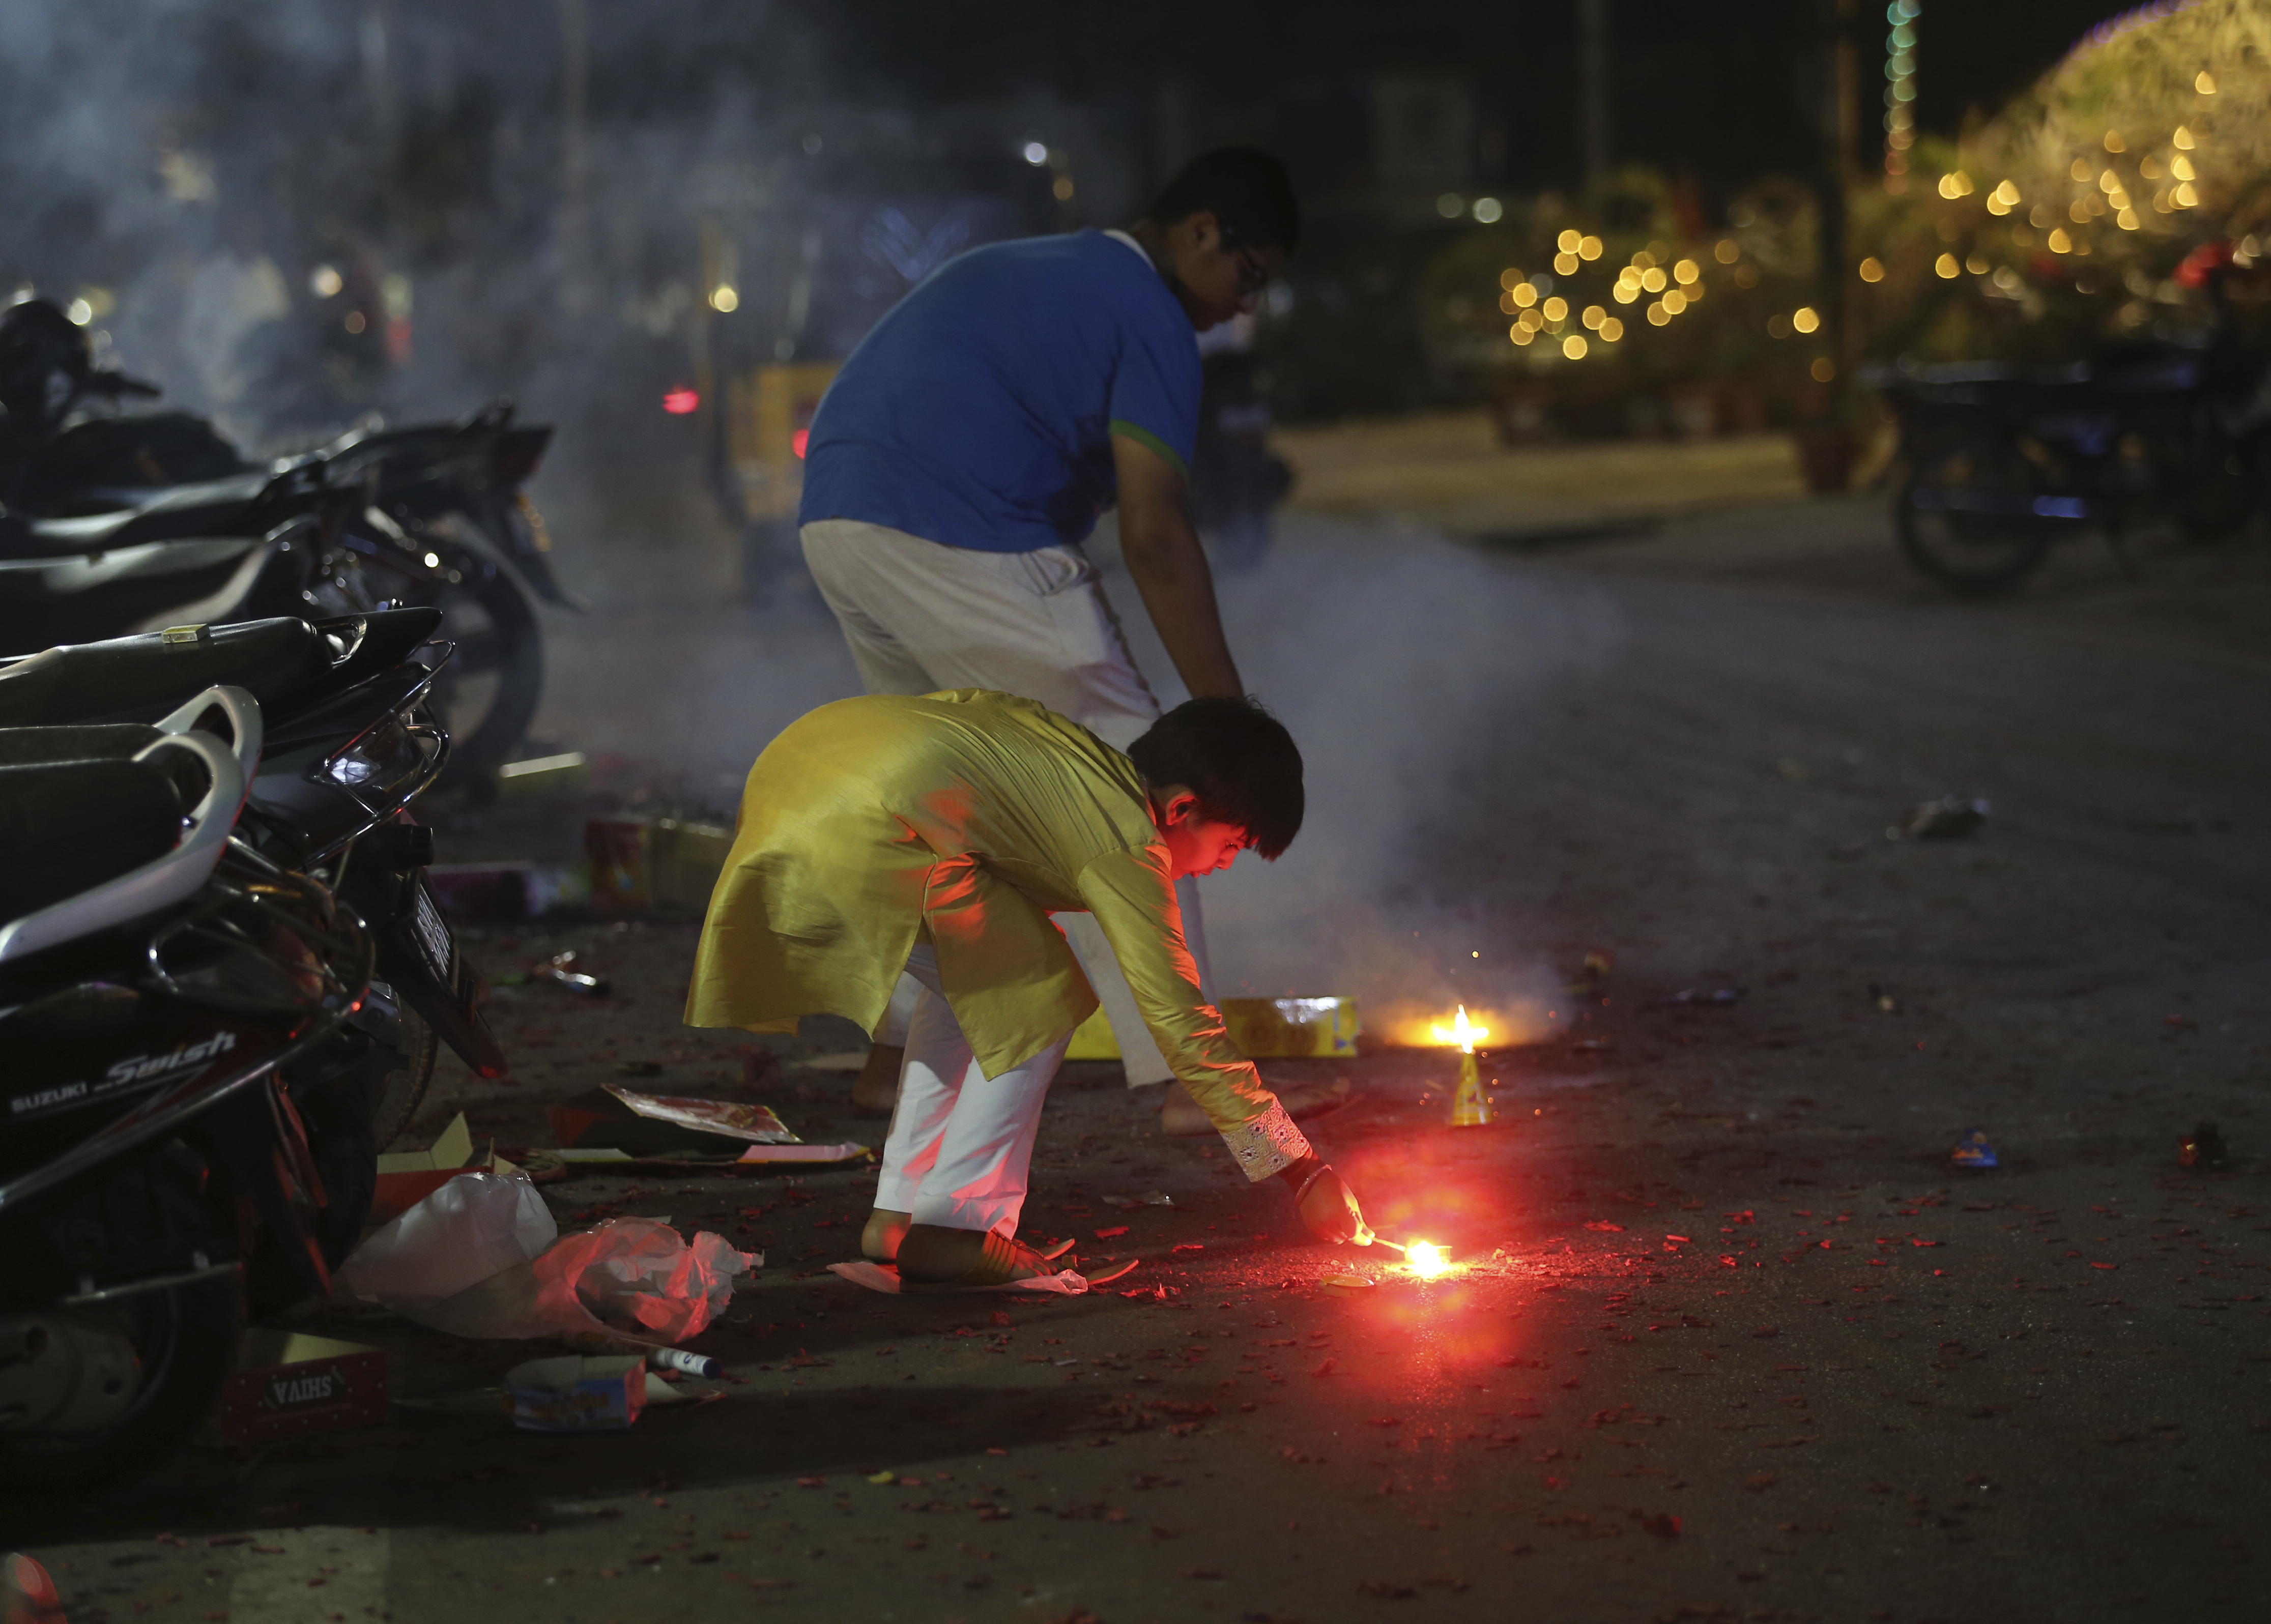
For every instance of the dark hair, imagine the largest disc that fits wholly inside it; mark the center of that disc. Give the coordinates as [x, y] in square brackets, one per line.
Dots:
[1247, 191]
[1237, 758]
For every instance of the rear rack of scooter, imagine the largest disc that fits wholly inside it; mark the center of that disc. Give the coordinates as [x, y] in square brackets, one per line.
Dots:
[275, 942]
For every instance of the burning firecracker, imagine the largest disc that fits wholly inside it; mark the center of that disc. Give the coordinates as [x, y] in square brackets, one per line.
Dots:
[1471, 1108]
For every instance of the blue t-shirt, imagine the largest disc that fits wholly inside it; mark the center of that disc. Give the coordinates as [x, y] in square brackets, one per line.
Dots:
[979, 412]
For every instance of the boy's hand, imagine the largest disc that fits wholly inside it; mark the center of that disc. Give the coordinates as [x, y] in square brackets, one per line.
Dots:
[1329, 1208]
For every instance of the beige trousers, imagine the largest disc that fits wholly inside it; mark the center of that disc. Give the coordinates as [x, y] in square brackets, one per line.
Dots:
[920, 616]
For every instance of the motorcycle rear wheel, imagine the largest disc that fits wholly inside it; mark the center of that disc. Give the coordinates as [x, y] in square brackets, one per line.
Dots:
[489, 691]
[404, 1088]
[1972, 552]
[186, 1338]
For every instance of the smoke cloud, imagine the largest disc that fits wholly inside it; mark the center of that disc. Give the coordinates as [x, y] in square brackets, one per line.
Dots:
[1396, 659]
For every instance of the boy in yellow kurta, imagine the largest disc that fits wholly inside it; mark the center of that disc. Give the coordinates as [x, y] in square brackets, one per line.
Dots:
[937, 834]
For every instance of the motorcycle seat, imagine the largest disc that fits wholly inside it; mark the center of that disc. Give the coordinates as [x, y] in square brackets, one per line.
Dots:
[70, 825]
[215, 507]
[142, 675]
[285, 663]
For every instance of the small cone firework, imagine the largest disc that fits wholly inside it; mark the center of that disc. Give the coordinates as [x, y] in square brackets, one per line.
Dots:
[1471, 1107]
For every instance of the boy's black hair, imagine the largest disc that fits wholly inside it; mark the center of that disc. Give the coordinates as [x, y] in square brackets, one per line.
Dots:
[1237, 758]
[1247, 190]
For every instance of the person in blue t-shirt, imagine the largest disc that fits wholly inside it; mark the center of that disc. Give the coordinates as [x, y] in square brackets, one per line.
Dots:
[965, 453]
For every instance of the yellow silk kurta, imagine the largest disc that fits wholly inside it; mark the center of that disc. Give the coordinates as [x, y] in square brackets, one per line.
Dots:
[965, 819]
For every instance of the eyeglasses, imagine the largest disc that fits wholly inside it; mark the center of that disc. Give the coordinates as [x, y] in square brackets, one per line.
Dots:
[1253, 275]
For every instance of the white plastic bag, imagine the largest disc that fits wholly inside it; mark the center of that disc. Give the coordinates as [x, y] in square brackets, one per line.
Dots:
[476, 1226]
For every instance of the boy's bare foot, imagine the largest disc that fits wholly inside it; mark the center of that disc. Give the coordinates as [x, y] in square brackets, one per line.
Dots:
[1180, 1117]
[876, 1091]
[879, 1242]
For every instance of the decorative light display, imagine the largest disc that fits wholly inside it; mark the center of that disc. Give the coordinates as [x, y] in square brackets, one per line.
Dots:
[1900, 90]
[2156, 156]
[1539, 311]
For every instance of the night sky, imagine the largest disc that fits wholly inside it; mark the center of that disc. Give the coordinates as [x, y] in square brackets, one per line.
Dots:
[1714, 88]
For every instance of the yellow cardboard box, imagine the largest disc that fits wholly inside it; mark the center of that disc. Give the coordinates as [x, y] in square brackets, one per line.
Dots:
[639, 863]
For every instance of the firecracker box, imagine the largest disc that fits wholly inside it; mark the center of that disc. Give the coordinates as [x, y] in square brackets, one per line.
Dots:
[510, 892]
[640, 863]
[288, 1384]
[1293, 1028]
[407, 1177]
[1262, 1028]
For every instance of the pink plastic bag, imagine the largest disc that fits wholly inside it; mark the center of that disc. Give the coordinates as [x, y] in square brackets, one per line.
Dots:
[635, 1276]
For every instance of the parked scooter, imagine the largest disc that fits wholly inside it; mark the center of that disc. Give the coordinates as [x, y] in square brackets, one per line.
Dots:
[442, 518]
[208, 1045]
[178, 1145]
[446, 514]
[351, 743]
[195, 553]
[2000, 462]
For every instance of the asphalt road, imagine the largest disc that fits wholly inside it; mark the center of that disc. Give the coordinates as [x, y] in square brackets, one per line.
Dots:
[1727, 1335]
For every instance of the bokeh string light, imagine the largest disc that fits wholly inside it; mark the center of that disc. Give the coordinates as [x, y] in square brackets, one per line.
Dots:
[1900, 90]
[1671, 288]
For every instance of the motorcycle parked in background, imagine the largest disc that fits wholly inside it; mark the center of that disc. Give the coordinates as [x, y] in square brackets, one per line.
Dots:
[2000, 463]
[435, 515]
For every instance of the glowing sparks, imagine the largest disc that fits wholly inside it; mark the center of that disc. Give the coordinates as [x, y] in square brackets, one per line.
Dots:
[1426, 1259]
[1494, 1024]
[1460, 1032]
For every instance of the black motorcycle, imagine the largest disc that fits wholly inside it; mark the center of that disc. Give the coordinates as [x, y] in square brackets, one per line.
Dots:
[350, 744]
[214, 550]
[179, 1143]
[1999, 463]
[439, 517]
[208, 1046]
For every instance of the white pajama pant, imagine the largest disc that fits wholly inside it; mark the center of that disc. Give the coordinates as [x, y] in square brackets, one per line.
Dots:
[961, 1142]
[920, 616]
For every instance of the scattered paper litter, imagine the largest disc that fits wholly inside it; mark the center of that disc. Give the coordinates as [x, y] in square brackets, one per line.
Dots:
[732, 1120]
